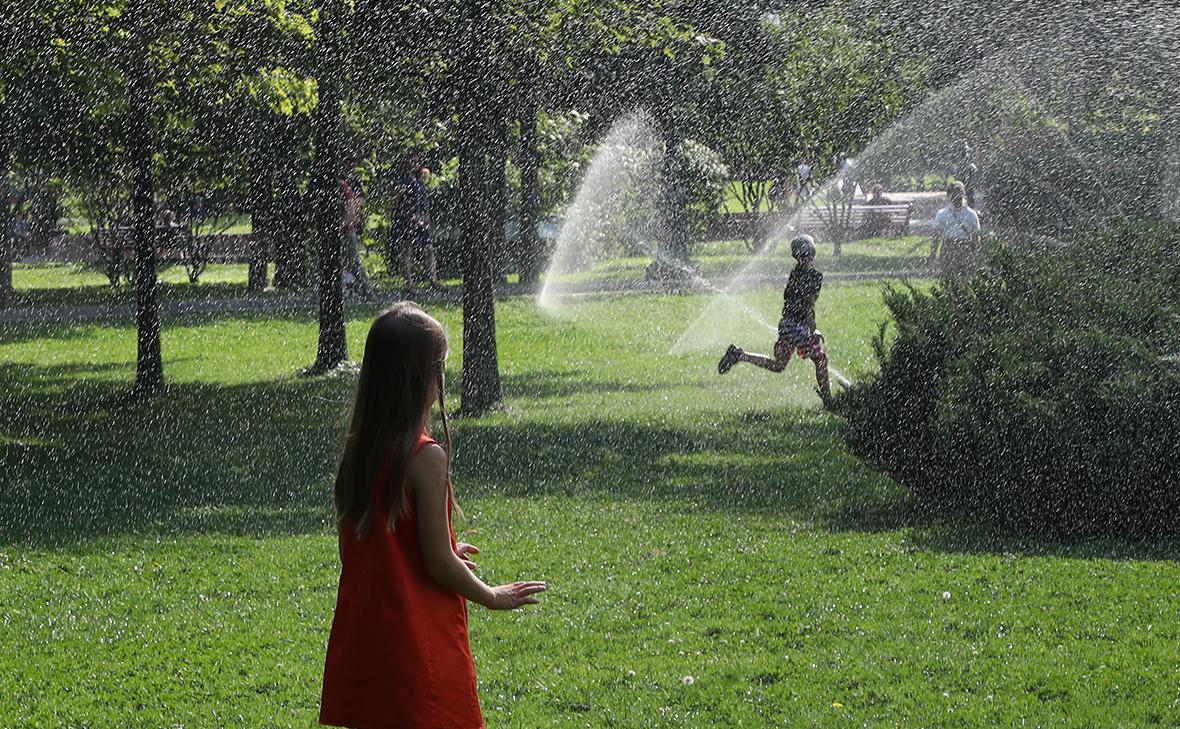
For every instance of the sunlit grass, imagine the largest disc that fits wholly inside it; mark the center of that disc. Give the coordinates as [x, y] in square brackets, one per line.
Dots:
[716, 556]
[64, 284]
[68, 284]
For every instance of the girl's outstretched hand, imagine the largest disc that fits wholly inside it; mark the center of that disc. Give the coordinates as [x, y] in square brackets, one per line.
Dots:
[462, 549]
[515, 594]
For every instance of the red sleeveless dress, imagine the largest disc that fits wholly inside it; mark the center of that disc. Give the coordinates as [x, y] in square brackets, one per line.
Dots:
[398, 655]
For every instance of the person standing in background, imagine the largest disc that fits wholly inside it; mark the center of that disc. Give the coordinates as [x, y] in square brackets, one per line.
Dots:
[955, 243]
[351, 220]
[411, 223]
[805, 182]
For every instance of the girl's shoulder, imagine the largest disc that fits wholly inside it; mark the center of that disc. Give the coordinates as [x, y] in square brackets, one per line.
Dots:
[428, 463]
[423, 441]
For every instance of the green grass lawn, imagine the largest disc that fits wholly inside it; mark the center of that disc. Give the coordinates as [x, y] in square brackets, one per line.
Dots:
[716, 557]
[70, 284]
[720, 262]
[26, 277]
[59, 284]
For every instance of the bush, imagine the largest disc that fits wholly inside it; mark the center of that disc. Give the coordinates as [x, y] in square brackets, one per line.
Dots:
[1041, 180]
[1036, 182]
[1043, 392]
[707, 179]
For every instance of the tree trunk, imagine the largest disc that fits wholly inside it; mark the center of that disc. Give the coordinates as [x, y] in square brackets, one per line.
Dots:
[497, 157]
[672, 263]
[675, 222]
[44, 209]
[7, 244]
[149, 363]
[261, 213]
[289, 224]
[481, 370]
[531, 254]
[332, 350]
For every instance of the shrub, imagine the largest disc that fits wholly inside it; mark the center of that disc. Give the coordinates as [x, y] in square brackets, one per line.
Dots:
[1037, 182]
[1043, 392]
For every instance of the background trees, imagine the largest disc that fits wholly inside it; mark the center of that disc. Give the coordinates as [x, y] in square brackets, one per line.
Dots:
[245, 108]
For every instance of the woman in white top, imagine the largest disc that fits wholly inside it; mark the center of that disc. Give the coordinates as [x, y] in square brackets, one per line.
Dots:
[956, 233]
[804, 173]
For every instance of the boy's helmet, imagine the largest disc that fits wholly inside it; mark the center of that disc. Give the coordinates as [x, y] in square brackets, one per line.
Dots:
[803, 248]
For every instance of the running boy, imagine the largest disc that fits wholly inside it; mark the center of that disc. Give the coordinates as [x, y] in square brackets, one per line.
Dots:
[796, 330]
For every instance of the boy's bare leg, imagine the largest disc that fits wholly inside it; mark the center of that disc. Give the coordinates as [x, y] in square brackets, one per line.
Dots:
[817, 355]
[777, 363]
[432, 267]
[774, 364]
[822, 379]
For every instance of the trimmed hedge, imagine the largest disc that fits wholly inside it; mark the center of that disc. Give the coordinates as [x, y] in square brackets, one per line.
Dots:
[1043, 392]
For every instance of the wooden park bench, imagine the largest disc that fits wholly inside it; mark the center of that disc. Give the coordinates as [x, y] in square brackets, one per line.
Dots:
[838, 222]
[175, 245]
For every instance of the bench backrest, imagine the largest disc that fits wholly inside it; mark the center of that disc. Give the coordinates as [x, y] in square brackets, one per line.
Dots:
[226, 244]
[171, 242]
[856, 215]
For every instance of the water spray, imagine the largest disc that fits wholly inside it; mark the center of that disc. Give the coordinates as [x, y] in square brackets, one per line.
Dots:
[707, 285]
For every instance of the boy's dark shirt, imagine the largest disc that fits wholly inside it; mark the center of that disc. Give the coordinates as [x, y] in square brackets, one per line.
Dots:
[414, 202]
[799, 296]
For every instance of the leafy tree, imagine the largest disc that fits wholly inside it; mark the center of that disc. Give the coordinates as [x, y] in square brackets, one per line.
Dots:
[478, 121]
[130, 101]
[324, 190]
[149, 363]
[71, 104]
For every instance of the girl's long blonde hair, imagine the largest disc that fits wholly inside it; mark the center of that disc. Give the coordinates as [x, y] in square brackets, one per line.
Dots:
[405, 354]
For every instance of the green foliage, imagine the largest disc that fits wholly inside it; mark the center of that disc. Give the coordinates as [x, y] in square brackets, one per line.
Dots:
[1037, 183]
[707, 178]
[1044, 392]
[218, 73]
[1049, 172]
[799, 85]
[564, 157]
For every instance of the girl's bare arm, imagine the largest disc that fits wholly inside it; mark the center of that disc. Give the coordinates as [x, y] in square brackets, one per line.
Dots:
[427, 478]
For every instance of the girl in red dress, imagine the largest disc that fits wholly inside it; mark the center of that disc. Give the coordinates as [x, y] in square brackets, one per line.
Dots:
[398, 655]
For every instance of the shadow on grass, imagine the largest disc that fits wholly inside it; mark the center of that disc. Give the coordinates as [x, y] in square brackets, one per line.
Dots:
[258, 460]
[79, 462]
[104, 294]
[961, 536]
[65, 328]
[792, 465]
[549, 384]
